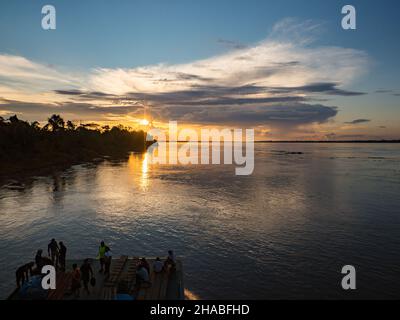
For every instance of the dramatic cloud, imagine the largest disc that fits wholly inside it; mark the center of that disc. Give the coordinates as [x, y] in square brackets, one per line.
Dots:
[275, 115]
[322, 87]
[357, 121]
[280, 81]
[268, 64]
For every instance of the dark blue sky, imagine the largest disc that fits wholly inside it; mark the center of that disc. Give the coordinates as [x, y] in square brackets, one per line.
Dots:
[129, 33]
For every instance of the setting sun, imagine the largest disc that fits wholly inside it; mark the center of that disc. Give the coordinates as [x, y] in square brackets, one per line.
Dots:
[144, 122]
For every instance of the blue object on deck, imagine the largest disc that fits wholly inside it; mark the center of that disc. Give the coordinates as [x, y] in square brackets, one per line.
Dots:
[32, 289]
[124, 296]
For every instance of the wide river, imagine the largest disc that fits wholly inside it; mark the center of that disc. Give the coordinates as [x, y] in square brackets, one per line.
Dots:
[285, 231]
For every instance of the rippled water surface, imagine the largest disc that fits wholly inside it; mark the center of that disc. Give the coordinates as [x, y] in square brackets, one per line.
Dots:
[283, 232]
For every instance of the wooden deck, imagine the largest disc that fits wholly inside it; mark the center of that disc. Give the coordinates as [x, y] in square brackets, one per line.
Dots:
[167, 285]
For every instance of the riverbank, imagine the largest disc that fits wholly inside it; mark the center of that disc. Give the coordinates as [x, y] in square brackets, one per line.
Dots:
[26, 147]
[19, 168]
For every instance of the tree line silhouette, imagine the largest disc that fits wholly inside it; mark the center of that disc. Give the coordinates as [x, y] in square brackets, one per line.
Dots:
[63, 142]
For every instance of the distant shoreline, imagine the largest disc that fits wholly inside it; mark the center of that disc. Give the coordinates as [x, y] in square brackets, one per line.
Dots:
[311, 141]
[333, 141]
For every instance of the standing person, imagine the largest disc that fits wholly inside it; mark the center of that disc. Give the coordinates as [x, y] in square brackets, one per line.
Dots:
[63, 254]
[107, 261]
[86, 274]
[170, 260]
[39, 260]
[102, 251]
[76, 280]
[53, 251]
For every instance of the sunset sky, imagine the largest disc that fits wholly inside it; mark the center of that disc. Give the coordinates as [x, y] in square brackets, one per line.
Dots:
[283, 67]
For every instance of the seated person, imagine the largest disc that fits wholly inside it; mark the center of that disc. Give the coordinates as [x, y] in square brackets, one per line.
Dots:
[47, 261]
[22, 273]
[158, 266]
[41, 261]
[144, 263]
[142, 275]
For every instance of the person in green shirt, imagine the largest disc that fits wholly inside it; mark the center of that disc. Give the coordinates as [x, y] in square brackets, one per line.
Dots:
[101, 255]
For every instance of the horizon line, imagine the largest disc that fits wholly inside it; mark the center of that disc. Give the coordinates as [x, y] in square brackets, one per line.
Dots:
[306, 141]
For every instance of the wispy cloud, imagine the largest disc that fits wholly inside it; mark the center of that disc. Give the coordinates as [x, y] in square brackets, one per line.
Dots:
[231, 44]
[275, 115]
[19, 72]
[383, 91]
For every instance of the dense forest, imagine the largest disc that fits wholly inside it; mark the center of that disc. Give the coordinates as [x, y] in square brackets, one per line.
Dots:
[25, 145]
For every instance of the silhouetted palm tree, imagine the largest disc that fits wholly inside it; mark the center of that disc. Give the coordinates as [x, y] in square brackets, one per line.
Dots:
[14, 119]
[70, 125]
[35, 125]
[56, 123]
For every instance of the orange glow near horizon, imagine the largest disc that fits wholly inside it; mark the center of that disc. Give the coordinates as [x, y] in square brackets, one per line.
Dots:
[317, 132]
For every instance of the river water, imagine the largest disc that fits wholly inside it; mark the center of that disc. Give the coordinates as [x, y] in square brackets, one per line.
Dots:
[285, 231]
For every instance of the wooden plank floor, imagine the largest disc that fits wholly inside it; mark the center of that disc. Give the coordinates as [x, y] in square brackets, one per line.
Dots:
[63, 286]
[152, 291]
[160, 282]
[129, 276]
[117, 266]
